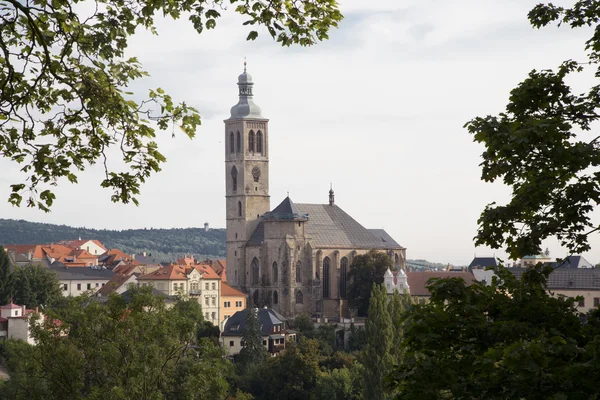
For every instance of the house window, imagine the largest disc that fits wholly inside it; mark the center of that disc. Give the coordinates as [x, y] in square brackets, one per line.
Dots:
[582, 303]
[206, 286]
[175, 287]
[227, 316]
[206, 301]
[206, 316]
[326, 265]
[231, 143]
[234, 177]
[275, 273]
[264, 342]
[214, 315]
[181, 286]
[89, 286]
[255, 271]
[251, 142]
[239, 142]
[65, 287]
[238, 303]
[214, 286]
[16, 312]
[299, 297]
[259, 142]
[97, 284]
[241, 341]
[231, 343]
[275, 297]
[79, 286]
[596, 301]
[214, 301]
[343, 276]
[299, 272]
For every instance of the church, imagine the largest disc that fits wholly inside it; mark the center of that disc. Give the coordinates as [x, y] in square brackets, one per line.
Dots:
[293, 258]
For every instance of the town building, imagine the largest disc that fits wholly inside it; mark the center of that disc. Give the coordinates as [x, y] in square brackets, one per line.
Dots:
[274, 328]
[46, 254]
[15, 322]
[78, 280]
[232, 301]
[118, 284]
[418, 282]
[189, 279]
[293, 258]
[93, 246]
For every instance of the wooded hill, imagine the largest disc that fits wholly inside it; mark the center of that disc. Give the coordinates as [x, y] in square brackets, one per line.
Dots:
[162, 244]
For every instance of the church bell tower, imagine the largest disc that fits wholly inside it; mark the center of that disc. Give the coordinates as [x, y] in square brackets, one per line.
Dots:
[246, 175]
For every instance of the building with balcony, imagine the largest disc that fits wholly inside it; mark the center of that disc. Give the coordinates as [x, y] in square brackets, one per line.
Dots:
[274, 328]
[198, 281]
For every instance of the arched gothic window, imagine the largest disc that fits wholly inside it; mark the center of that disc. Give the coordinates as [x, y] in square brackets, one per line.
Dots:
[326, 265]
[299, 297]
[239, 142]
[231, 143]
[251, 142]
[255, 271]
[396, 260]
[299, 272]
[343, 276]
[234, 177]
[275, 297]
[255, 298]
[259, 142]
[239, 208]
[275, 273]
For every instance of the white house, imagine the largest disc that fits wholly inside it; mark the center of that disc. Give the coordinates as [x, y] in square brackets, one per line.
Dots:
[14, 322]
[77, 280]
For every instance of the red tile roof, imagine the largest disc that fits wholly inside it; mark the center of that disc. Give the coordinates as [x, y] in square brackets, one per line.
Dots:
[228, 291]
[10, 306]
[24, 249]
[113, 284]
[417, 281]
[180, 272]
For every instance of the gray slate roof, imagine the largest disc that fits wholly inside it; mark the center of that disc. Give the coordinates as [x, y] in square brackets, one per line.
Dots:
[483, 262]
[267, 318]
[80, 273]
[331, 227]
[573, 262]
[568, 278]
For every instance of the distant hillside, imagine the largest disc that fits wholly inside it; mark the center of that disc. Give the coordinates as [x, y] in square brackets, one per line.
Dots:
[425, 265]
[163, 244]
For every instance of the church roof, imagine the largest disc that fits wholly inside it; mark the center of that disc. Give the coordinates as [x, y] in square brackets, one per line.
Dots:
[331, 227]
[286, 210]
[387, 242]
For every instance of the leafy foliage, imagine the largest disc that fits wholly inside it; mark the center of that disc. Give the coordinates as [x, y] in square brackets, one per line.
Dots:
[117, 352]
[376, 356]
[366, 270]
[162, 244]
[339, 384]
[35, 286]
[6, 277]
[63, 99]
[507, 340]
[540, 148]
[253, 352]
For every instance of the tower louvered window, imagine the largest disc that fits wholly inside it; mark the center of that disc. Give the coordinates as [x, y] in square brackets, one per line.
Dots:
[259, 142]
[251, 142]
[239, 142]
[231, 143]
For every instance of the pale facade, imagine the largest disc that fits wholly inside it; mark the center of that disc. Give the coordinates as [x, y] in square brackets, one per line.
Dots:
[232, 301]
[296, 257]
[194, 280]
[14, 322]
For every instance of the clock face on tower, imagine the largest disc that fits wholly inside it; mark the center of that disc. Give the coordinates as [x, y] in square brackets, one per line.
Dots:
[256, 174]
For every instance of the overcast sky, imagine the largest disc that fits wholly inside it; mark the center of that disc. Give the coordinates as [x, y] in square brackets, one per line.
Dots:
[378, 110]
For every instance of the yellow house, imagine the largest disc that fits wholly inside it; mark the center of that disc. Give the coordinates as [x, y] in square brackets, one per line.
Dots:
[232, 301]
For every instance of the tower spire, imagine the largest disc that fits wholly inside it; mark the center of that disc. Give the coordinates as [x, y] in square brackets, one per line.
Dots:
[331, 195]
